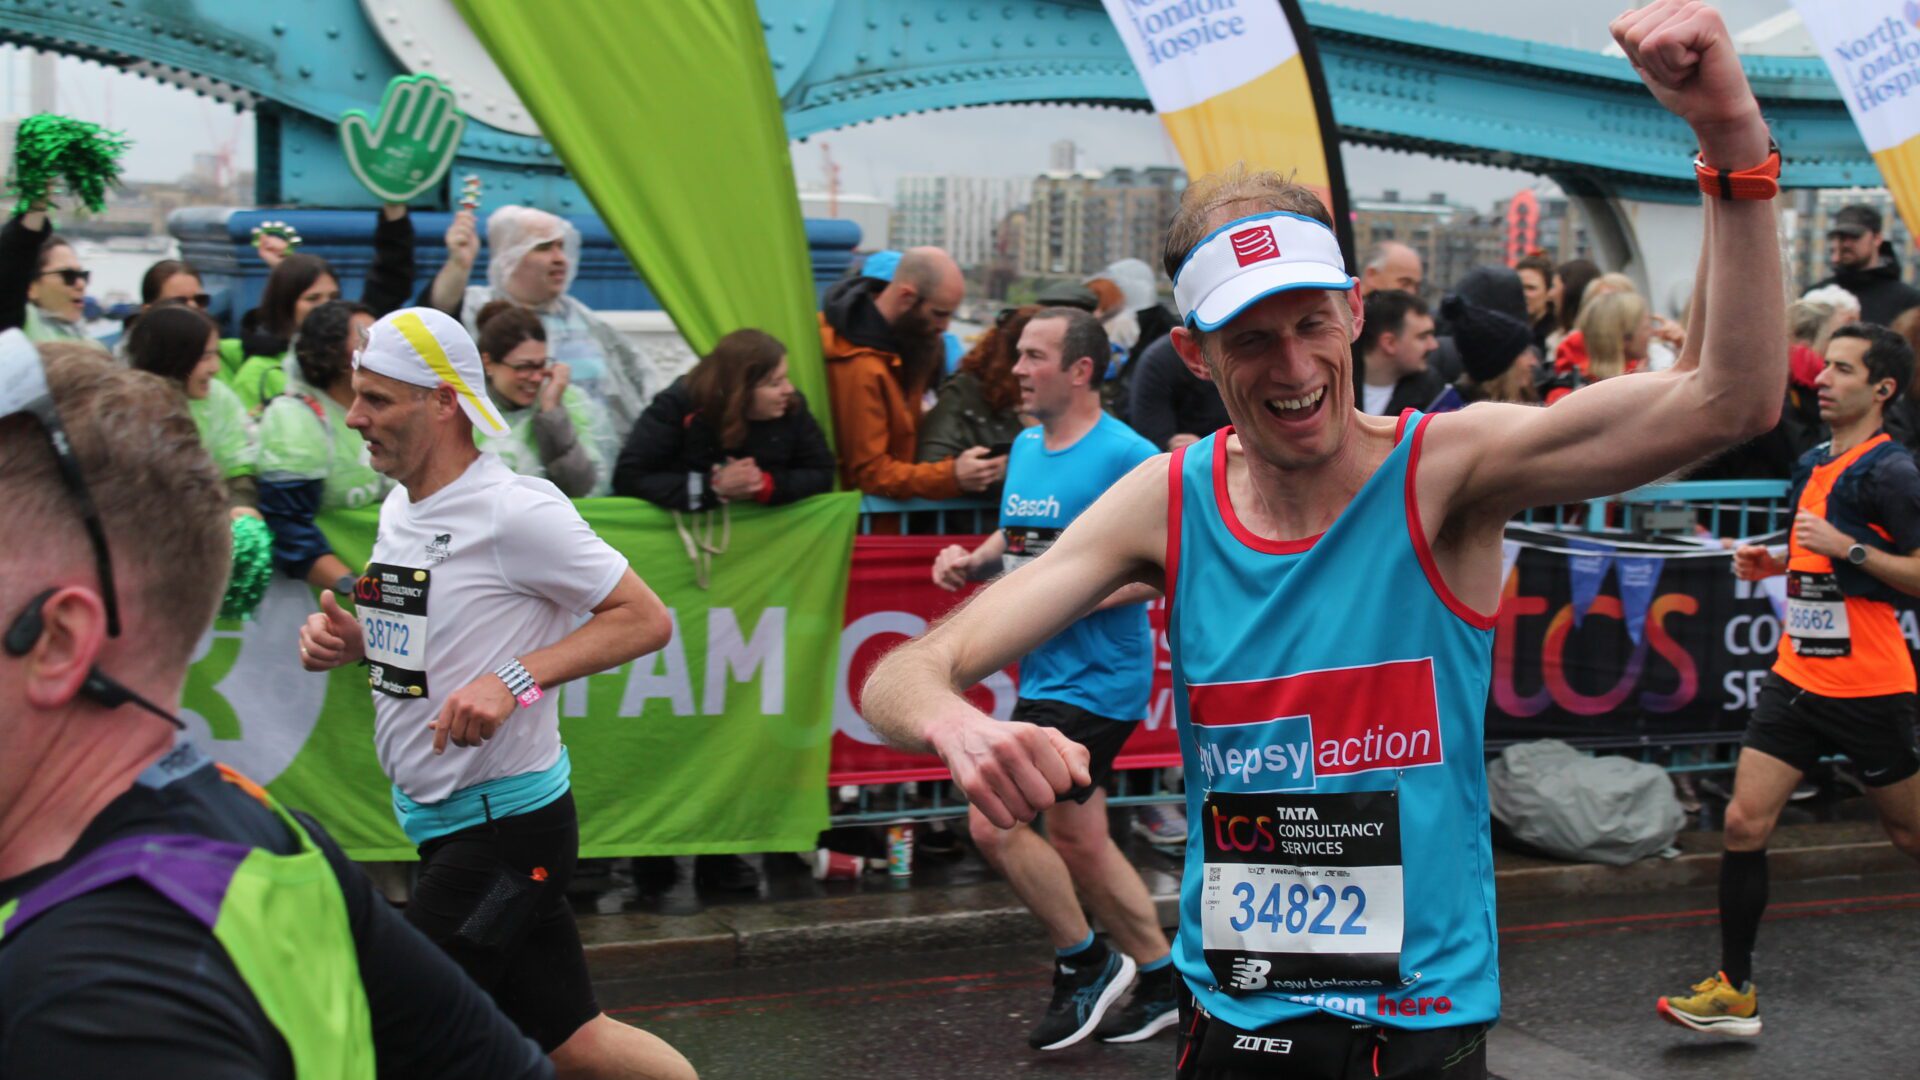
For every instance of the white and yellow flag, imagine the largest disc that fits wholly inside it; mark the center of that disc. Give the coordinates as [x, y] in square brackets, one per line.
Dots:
[1231, 81]
[1873, 49]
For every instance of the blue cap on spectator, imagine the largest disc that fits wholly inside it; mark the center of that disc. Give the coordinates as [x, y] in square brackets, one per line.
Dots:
[881, 265]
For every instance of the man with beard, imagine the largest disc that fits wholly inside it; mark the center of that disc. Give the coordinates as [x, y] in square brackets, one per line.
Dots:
[882, 341]
[1864, 264]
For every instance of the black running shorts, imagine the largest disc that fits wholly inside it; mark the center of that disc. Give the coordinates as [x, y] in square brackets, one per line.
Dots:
[494, 896]
[1800, 727]
[1324, 1047]
[1102, 737]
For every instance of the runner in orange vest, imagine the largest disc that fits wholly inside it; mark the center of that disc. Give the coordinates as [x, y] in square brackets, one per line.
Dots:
[1844, 682]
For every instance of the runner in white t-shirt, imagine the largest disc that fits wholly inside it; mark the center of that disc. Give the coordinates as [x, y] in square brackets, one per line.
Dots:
[465, 615]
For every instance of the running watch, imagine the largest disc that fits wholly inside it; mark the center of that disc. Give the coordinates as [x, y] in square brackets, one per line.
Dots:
[1857, 554]
[519, 682]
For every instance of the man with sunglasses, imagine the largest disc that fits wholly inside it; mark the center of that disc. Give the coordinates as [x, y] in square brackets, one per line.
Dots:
[43, 288]
[161, 915]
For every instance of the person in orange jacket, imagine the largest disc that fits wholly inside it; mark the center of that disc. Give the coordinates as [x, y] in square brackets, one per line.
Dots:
[883, 347]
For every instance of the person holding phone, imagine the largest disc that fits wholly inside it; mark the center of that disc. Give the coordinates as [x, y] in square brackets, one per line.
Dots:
[980, 404]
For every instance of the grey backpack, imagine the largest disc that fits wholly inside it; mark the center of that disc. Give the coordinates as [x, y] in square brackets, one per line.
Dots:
[1577, 806]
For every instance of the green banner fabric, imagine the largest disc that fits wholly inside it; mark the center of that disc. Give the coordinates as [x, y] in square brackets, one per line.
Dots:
[717, 743]
[667, 116]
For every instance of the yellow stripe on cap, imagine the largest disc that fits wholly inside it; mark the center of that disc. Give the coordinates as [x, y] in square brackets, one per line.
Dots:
[414, 329]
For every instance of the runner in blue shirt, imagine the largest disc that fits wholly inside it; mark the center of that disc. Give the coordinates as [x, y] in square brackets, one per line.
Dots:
[1332, 579]
[1089, 682]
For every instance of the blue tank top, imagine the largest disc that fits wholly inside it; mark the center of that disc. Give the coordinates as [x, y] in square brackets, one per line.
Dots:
[1330, 696]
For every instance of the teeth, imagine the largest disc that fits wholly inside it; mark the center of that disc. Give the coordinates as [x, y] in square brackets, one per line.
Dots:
[1306, 402]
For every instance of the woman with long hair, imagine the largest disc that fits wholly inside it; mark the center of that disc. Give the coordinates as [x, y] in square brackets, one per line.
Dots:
[1615, 332]
[182, 345]
[1568, 291]
[310, 460]
[733, 429]
[298, 284]
[553, 430]
[980, 405]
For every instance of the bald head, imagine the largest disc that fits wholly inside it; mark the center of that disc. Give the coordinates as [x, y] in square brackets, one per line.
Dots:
[1391, 265]
[926, 288]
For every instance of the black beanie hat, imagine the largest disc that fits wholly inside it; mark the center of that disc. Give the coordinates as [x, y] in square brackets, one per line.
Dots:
[1489, 341]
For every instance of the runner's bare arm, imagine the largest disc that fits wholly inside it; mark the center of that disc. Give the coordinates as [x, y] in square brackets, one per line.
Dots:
[1013, 771]
[1136, 593]
[1623, 432]
[1820, 536]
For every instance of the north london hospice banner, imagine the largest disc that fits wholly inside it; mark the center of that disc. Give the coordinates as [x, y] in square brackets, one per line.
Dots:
[1873, 49]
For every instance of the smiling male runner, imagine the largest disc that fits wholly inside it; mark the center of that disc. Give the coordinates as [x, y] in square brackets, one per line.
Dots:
[1332, 579]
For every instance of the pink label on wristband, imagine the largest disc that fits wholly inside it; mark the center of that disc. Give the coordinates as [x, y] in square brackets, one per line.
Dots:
[528, 696]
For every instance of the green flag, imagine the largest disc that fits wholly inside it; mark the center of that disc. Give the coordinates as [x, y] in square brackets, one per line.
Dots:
[719, 742]
[667, 116]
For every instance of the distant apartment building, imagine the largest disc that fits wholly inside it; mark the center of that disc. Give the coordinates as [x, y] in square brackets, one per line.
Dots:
[958, 213]
[1453, 239]
[1079, 222]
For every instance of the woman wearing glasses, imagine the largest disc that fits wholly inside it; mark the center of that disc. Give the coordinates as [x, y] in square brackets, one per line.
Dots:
[554, 431]
[182, 345]
[310, 460]
[43, 287]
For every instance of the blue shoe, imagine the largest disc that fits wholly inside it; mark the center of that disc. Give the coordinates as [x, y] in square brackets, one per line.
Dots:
[1082, 993]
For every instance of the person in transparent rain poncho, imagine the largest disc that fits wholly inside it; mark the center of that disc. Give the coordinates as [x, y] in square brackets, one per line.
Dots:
[533, 258]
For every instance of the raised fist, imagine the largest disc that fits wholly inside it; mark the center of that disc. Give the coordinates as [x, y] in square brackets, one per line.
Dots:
[1682, 51]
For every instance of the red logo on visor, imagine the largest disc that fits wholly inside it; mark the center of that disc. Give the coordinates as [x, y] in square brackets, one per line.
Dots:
[1255, 245]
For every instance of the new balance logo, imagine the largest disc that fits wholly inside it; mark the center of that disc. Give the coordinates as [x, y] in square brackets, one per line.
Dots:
[1249, 974]
[1262, 1044]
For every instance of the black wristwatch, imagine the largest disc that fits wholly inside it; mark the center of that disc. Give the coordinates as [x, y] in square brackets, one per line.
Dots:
[1857, 554]
[344, 585]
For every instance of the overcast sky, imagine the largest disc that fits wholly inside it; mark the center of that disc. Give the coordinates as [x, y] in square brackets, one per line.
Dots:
[170, 126]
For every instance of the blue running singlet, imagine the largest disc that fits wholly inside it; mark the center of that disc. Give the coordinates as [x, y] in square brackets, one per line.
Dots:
[1331, 696]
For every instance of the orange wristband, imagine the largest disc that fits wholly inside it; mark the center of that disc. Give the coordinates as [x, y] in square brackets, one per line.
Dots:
[1762, 182]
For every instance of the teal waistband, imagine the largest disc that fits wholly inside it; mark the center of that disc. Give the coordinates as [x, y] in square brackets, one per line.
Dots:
[483, 802]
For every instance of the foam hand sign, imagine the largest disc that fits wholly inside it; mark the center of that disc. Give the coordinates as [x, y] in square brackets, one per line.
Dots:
[410, 144]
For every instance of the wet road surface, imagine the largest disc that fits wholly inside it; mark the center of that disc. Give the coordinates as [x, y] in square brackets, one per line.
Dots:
[1835, 967]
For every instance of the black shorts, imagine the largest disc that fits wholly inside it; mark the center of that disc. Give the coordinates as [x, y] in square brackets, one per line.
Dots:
[1324, 1047]
[1102, 737]
[494, 896]
[1800, 727]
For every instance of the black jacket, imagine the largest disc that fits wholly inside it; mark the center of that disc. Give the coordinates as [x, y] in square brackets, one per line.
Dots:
[1169, 400]
[671, 449]
[1415, 391]
[1883, 296]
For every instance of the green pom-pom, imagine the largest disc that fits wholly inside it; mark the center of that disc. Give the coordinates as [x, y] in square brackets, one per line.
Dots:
[49, 148]
[252, 568]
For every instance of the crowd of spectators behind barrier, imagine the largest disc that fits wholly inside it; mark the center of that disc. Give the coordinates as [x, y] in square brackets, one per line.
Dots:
[918, 414]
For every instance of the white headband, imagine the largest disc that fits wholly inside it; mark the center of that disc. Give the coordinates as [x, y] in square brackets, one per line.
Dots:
[1244, 261]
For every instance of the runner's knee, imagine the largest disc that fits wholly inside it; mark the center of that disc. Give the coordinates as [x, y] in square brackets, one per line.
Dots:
[604, 1046]
[989, 838]
[1746, 829]
[1079, 844]
[1904, 837]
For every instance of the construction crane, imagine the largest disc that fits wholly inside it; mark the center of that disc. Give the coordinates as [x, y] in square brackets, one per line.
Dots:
[831, 172]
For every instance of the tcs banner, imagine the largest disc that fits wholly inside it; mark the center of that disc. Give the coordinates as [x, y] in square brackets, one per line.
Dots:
[1873, 49]
[1238, 80]
[891, 597]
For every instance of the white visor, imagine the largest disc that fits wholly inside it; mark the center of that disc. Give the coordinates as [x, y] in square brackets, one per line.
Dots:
[1244, 261]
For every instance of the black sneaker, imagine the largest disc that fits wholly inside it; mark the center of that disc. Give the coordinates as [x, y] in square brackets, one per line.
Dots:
[1153, 1008]
[1082, 993]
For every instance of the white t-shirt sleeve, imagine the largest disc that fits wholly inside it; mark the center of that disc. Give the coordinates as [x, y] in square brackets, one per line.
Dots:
[547, 549]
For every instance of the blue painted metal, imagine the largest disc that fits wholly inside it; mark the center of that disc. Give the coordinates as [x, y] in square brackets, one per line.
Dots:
[1400, 83]
[217, 240]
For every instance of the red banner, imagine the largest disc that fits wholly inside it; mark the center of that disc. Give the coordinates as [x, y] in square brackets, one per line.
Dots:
[892, 597]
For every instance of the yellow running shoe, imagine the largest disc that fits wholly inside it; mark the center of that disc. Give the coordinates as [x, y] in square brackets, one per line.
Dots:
[1715, 1007]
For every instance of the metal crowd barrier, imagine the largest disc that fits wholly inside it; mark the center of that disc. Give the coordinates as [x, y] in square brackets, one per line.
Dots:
[1718, 508]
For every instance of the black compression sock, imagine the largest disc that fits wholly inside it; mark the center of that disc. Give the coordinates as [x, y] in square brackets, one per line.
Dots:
[1743, 899]
[1094, 953]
